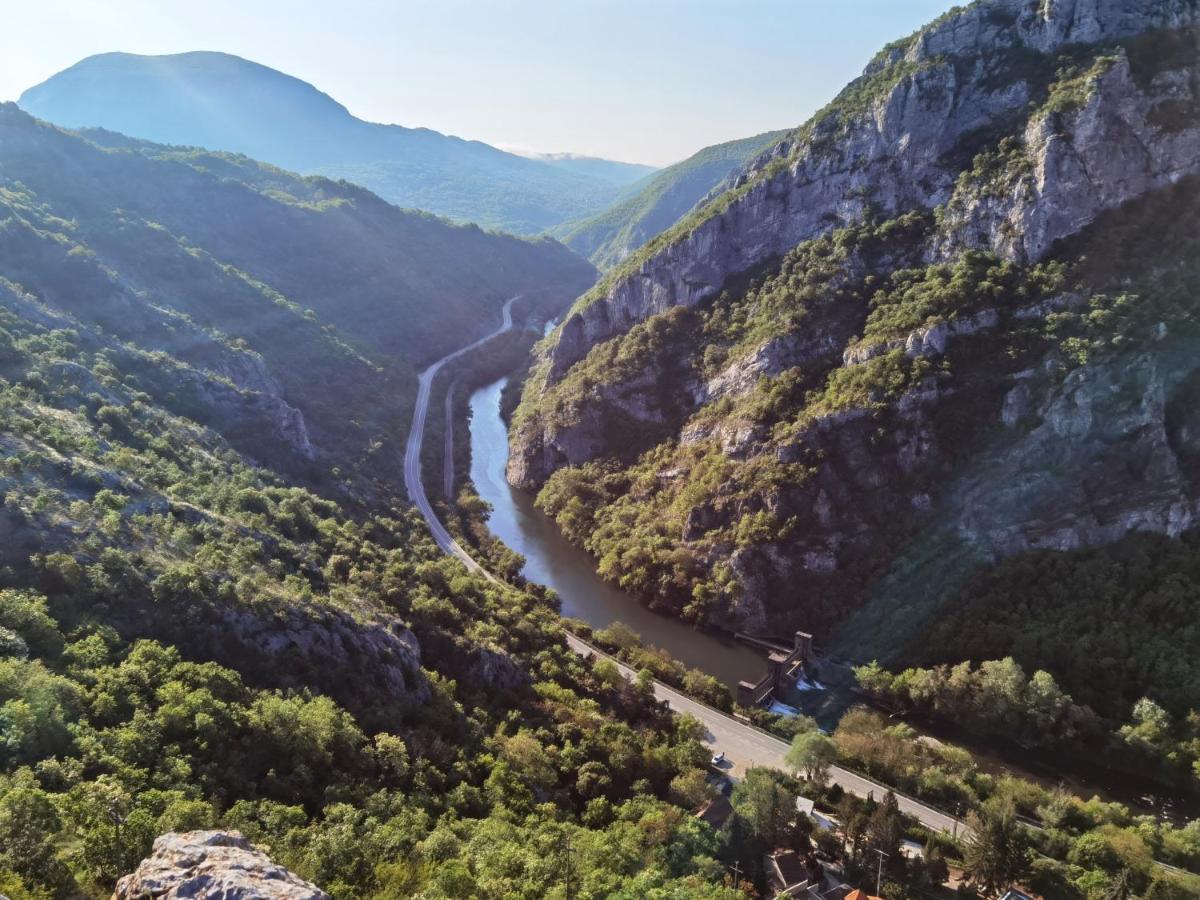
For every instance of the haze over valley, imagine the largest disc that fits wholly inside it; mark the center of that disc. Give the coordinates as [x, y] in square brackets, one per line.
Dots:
[813, 512]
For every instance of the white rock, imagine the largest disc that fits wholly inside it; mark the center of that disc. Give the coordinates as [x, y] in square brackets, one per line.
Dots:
[212, 864]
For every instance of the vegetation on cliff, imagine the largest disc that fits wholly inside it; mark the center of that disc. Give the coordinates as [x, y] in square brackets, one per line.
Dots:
[844, 438]
[198, 578]
[654, 203]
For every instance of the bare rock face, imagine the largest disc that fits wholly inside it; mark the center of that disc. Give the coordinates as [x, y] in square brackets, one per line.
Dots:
[900, 151]
[1080, 162]
[212, 864]
[892, 154]
[327, 647]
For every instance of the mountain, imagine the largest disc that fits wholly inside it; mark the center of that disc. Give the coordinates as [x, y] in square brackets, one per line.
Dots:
[221, 102]
[293, 299]
[217, 618]
[929, 368]
[658, 201]
[617, 173]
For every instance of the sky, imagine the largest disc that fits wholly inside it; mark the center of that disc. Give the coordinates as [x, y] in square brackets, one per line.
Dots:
[647, 81]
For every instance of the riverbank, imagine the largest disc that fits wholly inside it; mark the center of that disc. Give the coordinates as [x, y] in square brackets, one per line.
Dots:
[553, 561]
[723, 729]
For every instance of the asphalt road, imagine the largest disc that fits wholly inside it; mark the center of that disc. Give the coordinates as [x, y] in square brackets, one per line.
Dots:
[416, 437]
[744, 745]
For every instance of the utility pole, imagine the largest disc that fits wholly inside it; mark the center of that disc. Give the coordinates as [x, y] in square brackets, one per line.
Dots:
[567, 864]
[736, 868]
[117, 818]
[879, 874]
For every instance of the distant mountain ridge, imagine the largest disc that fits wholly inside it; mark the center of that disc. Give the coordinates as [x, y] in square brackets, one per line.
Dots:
[222, 102]
[316, 301]
[656, 202]
[621, 174]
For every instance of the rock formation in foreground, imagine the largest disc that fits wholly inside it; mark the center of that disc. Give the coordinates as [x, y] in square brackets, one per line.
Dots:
[210, 864]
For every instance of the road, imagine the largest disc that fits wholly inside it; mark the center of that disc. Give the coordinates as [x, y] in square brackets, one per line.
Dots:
[448, 454]
[746, 746]
[416, 437]
[743, 745]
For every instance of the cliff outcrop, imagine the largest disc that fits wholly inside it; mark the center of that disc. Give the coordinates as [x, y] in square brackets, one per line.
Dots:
[926, 332]
[212, 864]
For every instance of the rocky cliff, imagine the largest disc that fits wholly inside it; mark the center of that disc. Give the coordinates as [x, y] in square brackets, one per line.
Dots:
[927, 332]
[891, 142]
[212, 864]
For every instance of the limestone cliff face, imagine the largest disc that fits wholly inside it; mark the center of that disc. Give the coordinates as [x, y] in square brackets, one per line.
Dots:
[1080, 162]
[903, 150]
[212, 864]
[949, 84]
[1013, 128]
[331, 649]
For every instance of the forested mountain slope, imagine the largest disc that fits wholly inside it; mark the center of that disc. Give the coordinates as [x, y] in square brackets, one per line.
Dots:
[296, 302]
[620, 174]
[949, 323]
[221, 102]
[213, 613]
[658, 201]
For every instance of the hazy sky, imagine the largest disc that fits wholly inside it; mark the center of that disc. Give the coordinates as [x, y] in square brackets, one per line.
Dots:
[638, 80]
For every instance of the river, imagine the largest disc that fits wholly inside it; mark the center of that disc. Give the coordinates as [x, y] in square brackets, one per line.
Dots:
[551, 560]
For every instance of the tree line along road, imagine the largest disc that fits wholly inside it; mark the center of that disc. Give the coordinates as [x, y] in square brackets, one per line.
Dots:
[744, 745]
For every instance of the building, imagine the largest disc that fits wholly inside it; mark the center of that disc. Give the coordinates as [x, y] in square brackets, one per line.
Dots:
[716, 811]
[792, 874]
[783, 666]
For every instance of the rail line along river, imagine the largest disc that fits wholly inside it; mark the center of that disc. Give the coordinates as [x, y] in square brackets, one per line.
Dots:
[551, 560]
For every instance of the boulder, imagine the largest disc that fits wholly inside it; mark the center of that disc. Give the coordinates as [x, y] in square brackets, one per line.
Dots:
[212, 864]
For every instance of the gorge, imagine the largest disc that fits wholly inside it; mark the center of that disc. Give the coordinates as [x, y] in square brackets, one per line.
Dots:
[919, 337]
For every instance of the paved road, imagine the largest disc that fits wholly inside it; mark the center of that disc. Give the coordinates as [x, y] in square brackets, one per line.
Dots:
[746, 746]
[412, 453]
[743, 745]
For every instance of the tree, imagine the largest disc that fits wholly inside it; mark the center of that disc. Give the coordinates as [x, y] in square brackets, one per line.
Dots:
[996, 850]
[391, 756]
[886, 828]
[1150, 729]
[28, 820]
[875, 679]
[811, 754]
[766, 805]
[691, 788]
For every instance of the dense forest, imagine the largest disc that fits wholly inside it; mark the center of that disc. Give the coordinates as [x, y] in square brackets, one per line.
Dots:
[199, 626]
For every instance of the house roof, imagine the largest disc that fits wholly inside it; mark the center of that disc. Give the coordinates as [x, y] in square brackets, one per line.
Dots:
[789, 867]
[715, 811]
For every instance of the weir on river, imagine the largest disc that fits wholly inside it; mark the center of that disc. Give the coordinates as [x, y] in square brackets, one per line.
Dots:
[551, 560]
